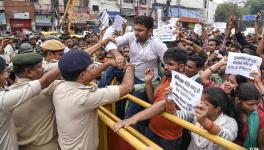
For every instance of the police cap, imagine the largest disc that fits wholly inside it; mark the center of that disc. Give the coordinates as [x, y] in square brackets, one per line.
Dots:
[74, 61]
[25, 48]
[26, 59]
[52, 45]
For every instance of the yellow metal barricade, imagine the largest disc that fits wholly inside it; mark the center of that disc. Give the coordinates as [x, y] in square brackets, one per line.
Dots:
[138, 143]
[131, 130]
[191, 127]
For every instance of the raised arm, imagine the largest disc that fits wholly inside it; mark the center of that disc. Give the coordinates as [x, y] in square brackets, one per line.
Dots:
[257, 29]
[149, 74]
[227, 131]
[205, 75]
[15, 97]
[257, 79]
[128, 80]
[97, 71]
[49, 77]
[91, 50]
[260, 49]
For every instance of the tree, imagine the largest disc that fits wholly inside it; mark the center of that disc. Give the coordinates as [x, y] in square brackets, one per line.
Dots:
[223, 11]
[255, 6]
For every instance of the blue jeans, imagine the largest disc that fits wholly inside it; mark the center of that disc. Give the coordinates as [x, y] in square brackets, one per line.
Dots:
[134, 108]
[109, 74]
[164, 143]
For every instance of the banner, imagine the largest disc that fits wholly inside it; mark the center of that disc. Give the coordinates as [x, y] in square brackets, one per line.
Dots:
[165, 33]
[104, 19]
[118, 23]
[186, 92]
[198, 29]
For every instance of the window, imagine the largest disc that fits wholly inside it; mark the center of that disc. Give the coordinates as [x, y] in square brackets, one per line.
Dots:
[143, 2]
[128, 1]
[95, 8]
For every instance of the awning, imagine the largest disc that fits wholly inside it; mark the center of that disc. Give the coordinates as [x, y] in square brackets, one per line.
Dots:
[79, 25]
[127, 12]
[189, 20]
[43, 24]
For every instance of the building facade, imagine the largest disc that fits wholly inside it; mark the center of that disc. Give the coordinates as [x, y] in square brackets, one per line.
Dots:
[19, 15]
[47, 15]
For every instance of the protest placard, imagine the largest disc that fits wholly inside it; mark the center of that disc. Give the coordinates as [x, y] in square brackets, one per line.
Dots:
[186, 92]
[119, 21]
[165, 33]
[198, 29]
[104, 19]
[242, 64]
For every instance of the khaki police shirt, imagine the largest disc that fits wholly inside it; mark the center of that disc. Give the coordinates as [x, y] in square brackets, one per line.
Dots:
[49, 65]
[76, 117]
[35, 119]
[9, 100]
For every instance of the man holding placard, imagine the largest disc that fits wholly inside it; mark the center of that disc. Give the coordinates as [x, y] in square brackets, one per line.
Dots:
[160, 130]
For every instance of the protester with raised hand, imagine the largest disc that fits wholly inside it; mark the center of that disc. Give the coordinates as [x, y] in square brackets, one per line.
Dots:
[231, 82]
[145, 52]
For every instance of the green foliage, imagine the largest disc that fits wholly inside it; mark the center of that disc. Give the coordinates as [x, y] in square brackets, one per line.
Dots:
[255, 5]
[224, 10]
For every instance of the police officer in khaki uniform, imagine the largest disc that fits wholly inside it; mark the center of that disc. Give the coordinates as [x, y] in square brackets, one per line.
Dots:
[52, 50]
[75, 104]
[11, 99]
[35, 119]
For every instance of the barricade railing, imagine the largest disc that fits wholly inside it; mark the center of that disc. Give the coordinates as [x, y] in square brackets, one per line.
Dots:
[191, 127]
[130, 135]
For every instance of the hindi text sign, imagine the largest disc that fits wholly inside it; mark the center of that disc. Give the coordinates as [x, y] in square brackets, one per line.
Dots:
[242, 64]
[186, 92]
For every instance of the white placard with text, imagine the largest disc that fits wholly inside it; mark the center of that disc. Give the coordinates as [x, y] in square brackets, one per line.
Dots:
[242, 64]
[186, 93]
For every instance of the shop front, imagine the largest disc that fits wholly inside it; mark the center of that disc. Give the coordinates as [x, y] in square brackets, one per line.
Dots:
[43, 22]
[20, 24]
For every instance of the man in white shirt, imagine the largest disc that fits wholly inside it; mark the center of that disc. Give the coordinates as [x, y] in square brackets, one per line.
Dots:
[145, 52]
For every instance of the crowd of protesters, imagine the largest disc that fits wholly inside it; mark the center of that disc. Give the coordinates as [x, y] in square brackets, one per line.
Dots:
[51, 87]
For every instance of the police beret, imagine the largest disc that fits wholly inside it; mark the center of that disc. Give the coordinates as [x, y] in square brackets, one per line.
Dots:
[26, 59]
[52, 45]
[25, 48]
[2, 64]
[74, 61]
